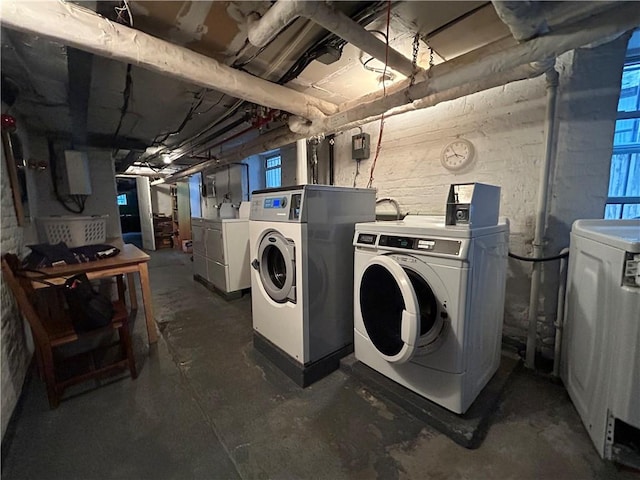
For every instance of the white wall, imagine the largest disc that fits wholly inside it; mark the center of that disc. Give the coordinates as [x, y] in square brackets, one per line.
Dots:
[161, 199]
[288, 161]
[506, 125]
[102, 173]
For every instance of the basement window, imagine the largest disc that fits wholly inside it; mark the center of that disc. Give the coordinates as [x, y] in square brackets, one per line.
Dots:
[273, 171]
[624, 179]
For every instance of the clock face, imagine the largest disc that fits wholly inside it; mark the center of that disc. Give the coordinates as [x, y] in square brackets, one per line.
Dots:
[457, 154]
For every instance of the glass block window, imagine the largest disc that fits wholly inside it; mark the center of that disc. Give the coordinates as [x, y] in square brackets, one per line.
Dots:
[273, 171]
[624, 180]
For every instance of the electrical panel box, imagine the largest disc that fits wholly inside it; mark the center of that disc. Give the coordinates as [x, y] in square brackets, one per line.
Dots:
[77, 168]
[360, 146]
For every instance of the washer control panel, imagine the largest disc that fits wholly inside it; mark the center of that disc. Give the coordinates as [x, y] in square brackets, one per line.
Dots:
[275, 202]
[277, 206]
[399, 242]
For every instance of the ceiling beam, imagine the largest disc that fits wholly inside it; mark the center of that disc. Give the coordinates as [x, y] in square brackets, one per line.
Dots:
[76, 26]
[79, 67]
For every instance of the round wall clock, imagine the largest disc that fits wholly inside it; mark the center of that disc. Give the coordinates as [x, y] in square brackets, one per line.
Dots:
[457, 154]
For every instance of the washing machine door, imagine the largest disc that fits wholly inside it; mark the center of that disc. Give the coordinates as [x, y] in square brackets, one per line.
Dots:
[399, 310]
[276, 267]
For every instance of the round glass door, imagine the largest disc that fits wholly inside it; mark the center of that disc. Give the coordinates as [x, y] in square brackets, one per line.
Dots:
[277, 267]
[399, 309]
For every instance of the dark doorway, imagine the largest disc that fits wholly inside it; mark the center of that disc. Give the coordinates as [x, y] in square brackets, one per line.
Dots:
[129, 211]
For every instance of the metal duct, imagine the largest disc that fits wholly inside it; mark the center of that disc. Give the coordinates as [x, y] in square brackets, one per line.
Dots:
[76, 26]
[262, 30]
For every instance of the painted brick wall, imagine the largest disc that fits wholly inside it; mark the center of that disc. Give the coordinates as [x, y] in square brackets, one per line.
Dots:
[14, 353]
[506, 125]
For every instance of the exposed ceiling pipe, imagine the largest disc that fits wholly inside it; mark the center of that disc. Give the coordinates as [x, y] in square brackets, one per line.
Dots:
[522, 17]
[615, 21]
[78, 27]
[523, 72]
[283, 136]
[262, 30]
[273, 139]
[528, 19]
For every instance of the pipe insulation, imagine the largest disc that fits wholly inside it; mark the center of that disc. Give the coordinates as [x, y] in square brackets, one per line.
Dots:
[523, 72]
[527, 19]
[522, 17]
[541, 216]
[476, 67]
[283, 136]
[263, 30]
[78, 27]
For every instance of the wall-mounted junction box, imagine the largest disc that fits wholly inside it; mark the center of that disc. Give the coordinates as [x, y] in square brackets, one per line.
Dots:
[360, 146]
[77, 168]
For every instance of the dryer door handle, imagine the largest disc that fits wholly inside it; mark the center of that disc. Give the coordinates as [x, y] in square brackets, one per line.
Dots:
[255, 264]
[409, 328]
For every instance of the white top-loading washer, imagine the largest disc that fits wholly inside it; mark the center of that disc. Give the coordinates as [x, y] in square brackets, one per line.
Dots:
[601, 341]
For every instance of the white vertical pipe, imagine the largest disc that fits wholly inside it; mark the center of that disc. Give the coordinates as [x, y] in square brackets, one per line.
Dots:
[541, 216]
[302, 165]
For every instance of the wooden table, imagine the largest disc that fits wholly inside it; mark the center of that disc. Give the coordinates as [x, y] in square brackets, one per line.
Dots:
[130, 260]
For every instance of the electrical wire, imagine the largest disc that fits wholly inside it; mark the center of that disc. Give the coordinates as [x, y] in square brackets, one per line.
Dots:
[540, 259]
[357, 173]
[384, 94]
[126, 95]
[124, 8]
[194, 105]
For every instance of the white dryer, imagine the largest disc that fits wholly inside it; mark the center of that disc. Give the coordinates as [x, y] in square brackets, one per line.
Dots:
[302, 275]
[429, 305]
[601, 341]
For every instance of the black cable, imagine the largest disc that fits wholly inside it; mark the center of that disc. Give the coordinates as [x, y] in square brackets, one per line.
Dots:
[126, 95]
[186, 119]
[78, 200]
[541, 259]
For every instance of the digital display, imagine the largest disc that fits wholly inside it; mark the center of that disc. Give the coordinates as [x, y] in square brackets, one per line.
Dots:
[274, 202]
[396, 242]
[367, 238]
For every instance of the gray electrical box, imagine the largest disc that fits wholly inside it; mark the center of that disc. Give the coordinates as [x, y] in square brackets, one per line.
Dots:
[360, 146]
[77, 168]
[473, 205]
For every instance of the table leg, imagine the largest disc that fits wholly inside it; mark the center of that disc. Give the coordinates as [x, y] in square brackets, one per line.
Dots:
[131, 283]
[148, 307]
[120, 283]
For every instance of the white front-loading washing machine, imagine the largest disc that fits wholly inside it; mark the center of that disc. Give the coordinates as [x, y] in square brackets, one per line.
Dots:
[302, 276]
[429, 305]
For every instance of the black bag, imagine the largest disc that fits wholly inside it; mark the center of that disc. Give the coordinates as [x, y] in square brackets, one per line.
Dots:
[88, 308]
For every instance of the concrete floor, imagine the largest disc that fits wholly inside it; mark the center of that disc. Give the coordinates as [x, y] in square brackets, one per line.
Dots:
[206, 405]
